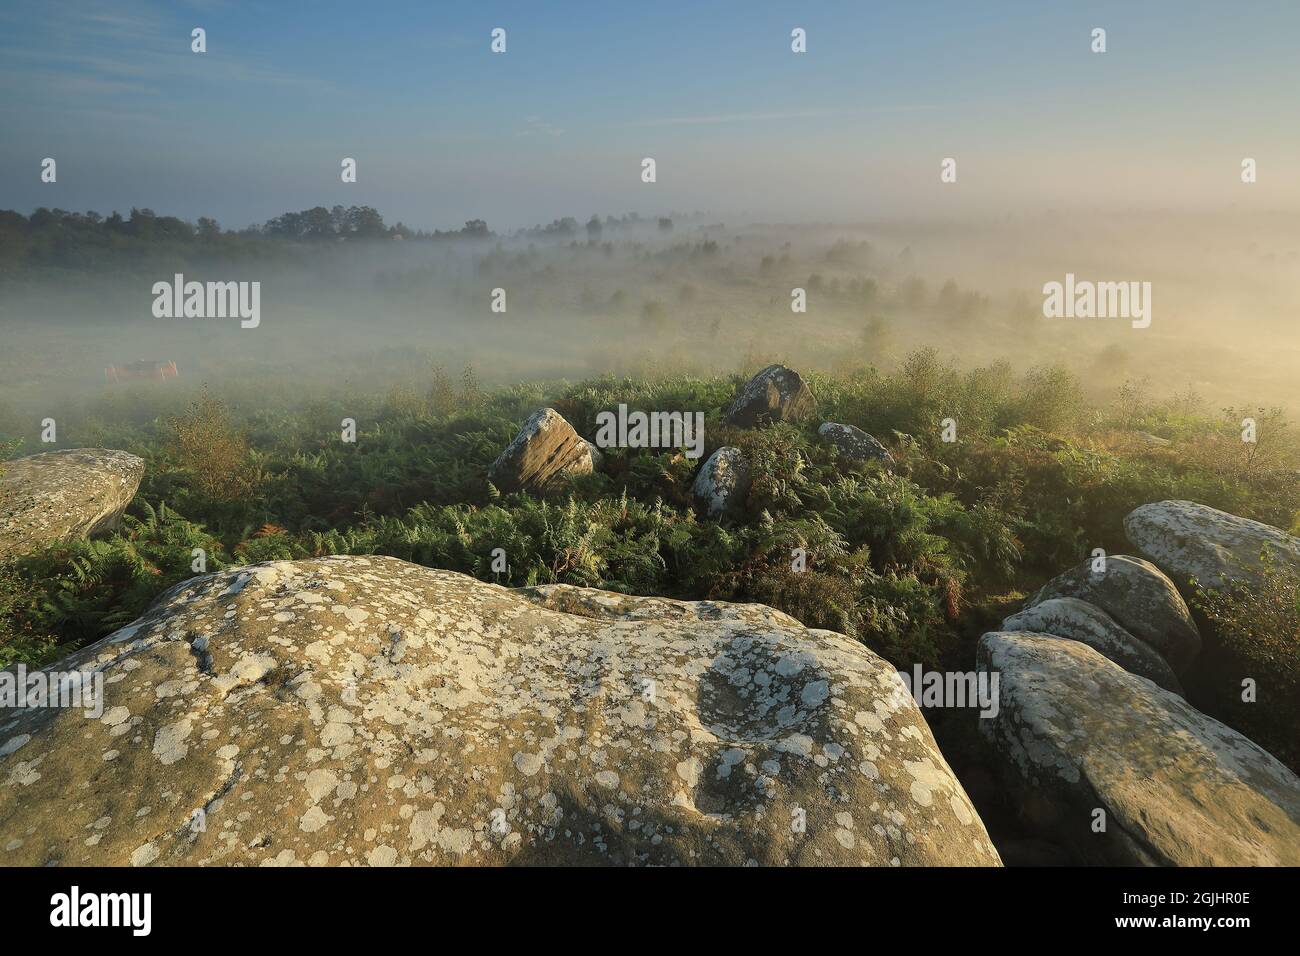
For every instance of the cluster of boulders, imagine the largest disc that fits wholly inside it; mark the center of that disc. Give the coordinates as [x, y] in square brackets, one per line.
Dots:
[776, 394]
[1095, 739]
[363, 710]
[548, 450]
[62, 495]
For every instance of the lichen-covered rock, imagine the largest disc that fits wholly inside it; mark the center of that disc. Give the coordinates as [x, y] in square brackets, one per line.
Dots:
[1139, 597]
[1079, 734]
[61, 495]
[369, 711]
[1081, 621]
[545, 452]
[776, 394]
[722, 483]
[855, 445]
[614, 606]
[1189, 540]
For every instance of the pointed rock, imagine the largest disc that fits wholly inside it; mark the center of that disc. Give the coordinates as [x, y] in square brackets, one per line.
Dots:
[776, 394]
[545, 452]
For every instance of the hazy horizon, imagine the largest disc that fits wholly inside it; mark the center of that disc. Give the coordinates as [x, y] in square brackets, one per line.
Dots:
[444, 130]
[785, 170]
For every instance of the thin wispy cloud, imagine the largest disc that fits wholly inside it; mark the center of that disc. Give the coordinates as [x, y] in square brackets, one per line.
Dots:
[536, 126]
[721, 118]
[104, 52]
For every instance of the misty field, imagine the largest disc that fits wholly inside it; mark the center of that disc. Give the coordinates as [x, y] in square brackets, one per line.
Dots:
[916, 564]
[1061, 430]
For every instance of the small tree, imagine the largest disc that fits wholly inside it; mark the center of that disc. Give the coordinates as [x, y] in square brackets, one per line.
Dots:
[218, 456]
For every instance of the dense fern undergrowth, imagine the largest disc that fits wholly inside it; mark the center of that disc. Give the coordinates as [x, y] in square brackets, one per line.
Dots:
[916, 563]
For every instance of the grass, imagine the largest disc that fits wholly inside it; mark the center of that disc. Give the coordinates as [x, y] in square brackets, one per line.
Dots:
[915, 564]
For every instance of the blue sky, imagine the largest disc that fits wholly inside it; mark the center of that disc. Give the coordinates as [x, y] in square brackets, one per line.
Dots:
[443, 130]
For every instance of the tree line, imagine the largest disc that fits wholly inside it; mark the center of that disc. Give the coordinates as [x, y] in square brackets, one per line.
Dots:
[60, 238]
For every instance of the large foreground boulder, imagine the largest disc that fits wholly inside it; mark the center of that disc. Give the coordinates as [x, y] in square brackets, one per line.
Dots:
[854, 445]
[1080, 621]
[722, 483]
[1078, 734]
[545, 452]
[369, 711]
[1138, 596]
[776, 394]
[62, 495]
[1189, 540]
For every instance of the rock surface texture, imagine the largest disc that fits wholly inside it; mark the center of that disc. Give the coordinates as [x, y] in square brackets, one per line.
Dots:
[1139, 597]
[1078, 734]
[545, 452]
[61, 495]
[1080, 621]
[722, 483]
[1188, 540]
[855, 445]
[369, 711]
[776, 394]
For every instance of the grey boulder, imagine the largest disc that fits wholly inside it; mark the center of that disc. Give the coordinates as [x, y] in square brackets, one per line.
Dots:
[367, 711]
[1139, 597]
[1126, 773]
[776, 394]
[61, 495]
[1080, 621]
[722, 483]
[1189, 540]
[855, 445]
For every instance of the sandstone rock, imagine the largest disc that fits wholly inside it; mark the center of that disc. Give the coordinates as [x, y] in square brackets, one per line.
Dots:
[776, 394]
[542, 455]
[855, 445]
[1139, 597]
[597, 456]
[722, 483]
[1081, 621]
[369, 711]
[1079, 733]
[1189, 540]
[61, 495]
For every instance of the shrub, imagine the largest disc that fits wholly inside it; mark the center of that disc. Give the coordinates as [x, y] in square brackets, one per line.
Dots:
[1256, 631]
[67, 595]
[216, 456]
[909, 563]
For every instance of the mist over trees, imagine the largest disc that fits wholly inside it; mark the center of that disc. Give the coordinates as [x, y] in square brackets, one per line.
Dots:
[61, 238]
[58, 237]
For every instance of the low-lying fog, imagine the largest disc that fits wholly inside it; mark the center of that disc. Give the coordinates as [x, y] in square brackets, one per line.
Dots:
[702, 297]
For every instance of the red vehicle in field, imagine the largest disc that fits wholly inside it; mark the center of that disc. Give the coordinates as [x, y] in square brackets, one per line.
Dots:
[142, 371]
